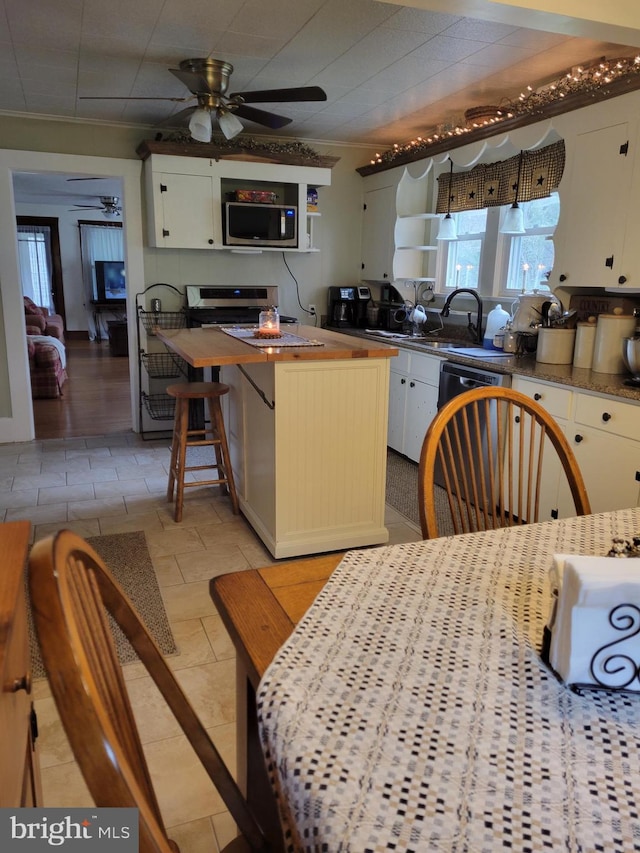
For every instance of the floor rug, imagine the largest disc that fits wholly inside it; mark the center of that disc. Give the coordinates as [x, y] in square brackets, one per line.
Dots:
[127, 557]
[402, 492]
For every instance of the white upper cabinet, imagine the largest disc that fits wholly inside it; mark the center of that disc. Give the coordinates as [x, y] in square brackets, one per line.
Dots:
[378, 221]
[596, 240]
[185, 197]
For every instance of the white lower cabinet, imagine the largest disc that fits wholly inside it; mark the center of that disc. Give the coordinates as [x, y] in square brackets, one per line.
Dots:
[413, 400]
[602, 432]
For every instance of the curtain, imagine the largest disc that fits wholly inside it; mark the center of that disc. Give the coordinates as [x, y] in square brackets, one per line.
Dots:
[34, 257]
[97, 243]
[495, 184]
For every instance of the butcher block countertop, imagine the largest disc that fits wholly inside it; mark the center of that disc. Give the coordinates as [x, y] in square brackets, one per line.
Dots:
[210, 346]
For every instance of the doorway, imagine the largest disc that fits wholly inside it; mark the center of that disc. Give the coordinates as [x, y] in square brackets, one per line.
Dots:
[16, 405]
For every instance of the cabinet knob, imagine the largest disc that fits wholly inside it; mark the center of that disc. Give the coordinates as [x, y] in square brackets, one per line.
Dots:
[403, 381]
[606, 416]
[578, 438]
[517, 419]
[562, 277]
[412, 385]
[385, 275]
[23, 683]
[537, 396]
[210, 242]
[622, 279]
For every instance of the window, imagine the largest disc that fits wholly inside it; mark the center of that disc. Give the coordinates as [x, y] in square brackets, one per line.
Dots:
[34, 255]
[462, 258]
[497, 264]
[527, 259]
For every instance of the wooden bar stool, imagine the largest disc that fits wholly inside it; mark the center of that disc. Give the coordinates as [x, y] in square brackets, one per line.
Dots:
[183, 437]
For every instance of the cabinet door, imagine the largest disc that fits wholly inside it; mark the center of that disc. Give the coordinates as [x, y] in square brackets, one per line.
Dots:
[378, 223]
[187, 214]
[593, 209]
[422, 405]
[610, 466]
[398, 383]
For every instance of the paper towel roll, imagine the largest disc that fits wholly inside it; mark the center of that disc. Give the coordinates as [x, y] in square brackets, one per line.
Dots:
[607, 348]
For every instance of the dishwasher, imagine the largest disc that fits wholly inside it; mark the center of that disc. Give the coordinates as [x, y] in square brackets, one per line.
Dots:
[455, 379]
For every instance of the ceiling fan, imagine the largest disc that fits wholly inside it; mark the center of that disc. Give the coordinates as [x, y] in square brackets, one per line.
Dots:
[208, 81]
[109, 205]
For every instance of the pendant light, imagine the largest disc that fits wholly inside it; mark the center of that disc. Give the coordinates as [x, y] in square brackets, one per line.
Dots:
[448, 230]
[514, 217]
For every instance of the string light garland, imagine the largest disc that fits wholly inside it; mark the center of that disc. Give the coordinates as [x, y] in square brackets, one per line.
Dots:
[579, 80]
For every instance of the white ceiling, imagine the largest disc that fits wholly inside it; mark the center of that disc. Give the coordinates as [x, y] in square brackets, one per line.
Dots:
[390, 71]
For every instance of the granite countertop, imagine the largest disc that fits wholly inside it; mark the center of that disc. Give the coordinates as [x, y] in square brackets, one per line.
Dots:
[526, 365]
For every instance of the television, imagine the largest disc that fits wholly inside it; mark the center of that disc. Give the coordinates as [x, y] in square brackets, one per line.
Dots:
[111, 285]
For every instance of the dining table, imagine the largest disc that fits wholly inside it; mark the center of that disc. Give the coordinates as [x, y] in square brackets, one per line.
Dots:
[410, 707]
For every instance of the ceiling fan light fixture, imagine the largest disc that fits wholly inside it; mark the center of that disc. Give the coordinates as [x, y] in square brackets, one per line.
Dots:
[111, 213]
[229, 124]
[200, 125]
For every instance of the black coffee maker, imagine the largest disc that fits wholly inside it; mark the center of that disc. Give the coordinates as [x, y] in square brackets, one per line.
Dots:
[341, 307]
[348, 307]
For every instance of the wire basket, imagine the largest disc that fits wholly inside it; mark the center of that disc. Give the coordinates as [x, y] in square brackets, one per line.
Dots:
[152, 320]
[163, 365]
[160, 407]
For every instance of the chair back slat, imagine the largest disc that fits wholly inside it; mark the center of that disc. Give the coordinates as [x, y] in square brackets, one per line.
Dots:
[491, 446]
[71, 592]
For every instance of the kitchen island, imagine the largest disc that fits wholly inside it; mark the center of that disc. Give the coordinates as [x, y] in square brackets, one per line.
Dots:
[307, 431]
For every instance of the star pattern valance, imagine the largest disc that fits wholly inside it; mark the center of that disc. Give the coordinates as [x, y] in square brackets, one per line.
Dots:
[494, 184]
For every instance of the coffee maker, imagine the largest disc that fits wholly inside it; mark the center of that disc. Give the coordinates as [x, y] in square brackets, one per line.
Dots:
[348, 306]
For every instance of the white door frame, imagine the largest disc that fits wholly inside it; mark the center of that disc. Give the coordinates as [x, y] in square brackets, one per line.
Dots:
[16, 407]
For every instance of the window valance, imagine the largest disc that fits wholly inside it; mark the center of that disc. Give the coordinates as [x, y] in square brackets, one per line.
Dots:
[494, 184]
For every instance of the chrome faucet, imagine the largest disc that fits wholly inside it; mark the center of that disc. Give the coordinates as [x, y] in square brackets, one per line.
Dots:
[475, 330]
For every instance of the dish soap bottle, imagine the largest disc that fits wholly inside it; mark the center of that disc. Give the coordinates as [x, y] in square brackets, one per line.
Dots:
[497, 318]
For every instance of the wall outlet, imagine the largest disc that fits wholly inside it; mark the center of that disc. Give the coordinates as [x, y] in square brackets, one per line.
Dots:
[312, 309]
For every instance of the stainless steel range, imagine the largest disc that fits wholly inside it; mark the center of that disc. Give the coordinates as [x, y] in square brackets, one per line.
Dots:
[215, 305]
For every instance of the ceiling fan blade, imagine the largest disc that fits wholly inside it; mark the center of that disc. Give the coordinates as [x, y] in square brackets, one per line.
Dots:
[127, 98]
[261, 117]
[269, 96]
[89, 179]
[88, 207]
[194, 82]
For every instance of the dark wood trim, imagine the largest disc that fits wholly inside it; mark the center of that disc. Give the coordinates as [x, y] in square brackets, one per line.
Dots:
[216, 152]
[57, 282]
[619, 86]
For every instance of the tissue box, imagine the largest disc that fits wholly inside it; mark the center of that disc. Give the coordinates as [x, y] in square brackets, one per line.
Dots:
[595, 622]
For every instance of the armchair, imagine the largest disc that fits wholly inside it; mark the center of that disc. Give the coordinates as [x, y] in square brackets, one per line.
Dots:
[47, 324]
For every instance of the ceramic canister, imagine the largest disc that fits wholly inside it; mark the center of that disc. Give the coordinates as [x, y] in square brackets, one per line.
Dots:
[607, 349]
[585, 341]
[555, 346]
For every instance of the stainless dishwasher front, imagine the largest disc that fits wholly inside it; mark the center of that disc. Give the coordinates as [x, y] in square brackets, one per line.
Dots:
[455, 379]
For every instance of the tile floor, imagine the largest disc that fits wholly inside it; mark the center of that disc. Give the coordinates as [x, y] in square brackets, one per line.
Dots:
[117, 483]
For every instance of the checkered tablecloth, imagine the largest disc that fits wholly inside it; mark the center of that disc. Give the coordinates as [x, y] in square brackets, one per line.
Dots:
[410, 710]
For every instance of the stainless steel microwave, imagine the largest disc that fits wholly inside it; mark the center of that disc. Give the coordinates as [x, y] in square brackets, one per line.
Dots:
[247, 224]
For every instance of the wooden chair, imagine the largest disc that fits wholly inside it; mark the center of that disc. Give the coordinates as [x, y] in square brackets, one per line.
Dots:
[70, 587]
[494, 450]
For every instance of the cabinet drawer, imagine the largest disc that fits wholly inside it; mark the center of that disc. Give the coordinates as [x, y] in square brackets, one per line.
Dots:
[557, 401]
[400, 362]
[425, 367]
[609, 415]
